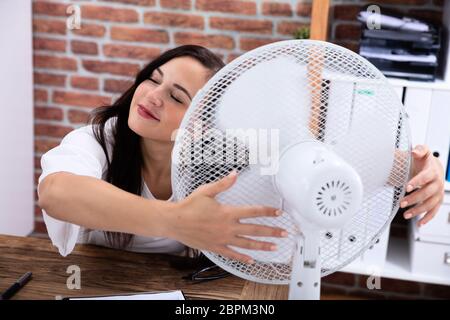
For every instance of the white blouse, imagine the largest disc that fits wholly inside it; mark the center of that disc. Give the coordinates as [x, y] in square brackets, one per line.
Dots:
[80, 153]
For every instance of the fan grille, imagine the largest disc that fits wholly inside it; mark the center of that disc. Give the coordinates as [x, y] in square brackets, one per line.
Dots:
[348, 104]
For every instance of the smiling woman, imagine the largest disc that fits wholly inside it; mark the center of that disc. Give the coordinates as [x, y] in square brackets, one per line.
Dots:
[107, 183]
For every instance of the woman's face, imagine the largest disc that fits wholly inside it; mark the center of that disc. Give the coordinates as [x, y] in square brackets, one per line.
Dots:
[159, 103]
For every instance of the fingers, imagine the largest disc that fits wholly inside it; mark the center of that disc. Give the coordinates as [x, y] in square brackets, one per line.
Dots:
[421, 151]
[251, 244]
[425, 206]
[428, 216]
[214, 188]
[421, 179]
[232, 254]
[420, 195]
[255, 211]
[258, 230]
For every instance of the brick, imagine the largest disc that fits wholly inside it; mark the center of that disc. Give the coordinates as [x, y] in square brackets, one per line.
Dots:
[78, 117]
[147, 3]
[341, 278]
[50, 130]
[131, 52]
[40, 95]
[232, 56]
[176, 4]
[36, 179]
[229, 6]
[50, 8]
[206, 40]
[139, 34]
[48, 113]
[303, 9]
[351, 45]
[37, 162]
[174, 19]
[49, 44]
[57, 80]
[51, 62]
[243, 25]
[90, 30]
[80, 99]
[83, 47]
[346, 12]
[40, 228]
[109, 13]
[49, 26]
[117, 86]
[432, 16]
[42, 145]
[118, 68]
[289, 27]
[87, 83]
[252, 43]
[277, 9]
[347, 32]
[37, 211]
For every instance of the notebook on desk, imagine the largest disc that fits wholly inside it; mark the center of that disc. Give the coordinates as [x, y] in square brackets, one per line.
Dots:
[169, 295]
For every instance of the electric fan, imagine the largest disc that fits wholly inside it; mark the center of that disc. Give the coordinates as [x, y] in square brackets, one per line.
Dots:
[313, 129]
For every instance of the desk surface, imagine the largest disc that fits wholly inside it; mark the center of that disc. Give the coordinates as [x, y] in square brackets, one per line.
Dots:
[103, 272]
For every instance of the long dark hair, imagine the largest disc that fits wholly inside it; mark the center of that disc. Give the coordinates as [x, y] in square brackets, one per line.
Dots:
[125, 164]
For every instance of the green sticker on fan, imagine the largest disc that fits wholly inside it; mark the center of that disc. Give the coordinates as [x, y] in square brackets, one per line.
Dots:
[366, 92]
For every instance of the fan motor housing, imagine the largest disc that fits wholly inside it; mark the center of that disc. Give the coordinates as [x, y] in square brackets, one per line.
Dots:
[318, 185]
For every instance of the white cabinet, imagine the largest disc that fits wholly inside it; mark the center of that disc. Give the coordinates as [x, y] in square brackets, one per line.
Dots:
[16, 121]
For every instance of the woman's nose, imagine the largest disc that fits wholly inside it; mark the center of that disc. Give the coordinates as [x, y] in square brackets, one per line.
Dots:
[155, 97]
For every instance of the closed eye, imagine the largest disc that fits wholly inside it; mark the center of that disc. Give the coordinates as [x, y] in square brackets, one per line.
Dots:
[177, 100]
[154, 81]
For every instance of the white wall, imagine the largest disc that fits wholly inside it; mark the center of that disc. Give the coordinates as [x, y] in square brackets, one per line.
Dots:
[16, 118]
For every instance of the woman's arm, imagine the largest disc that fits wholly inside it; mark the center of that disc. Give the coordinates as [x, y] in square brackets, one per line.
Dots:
[198, 221]
[96, 204]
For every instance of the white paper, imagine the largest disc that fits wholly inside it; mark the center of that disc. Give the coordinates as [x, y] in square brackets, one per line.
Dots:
[385, 54]
[170, 295]
[396, 23]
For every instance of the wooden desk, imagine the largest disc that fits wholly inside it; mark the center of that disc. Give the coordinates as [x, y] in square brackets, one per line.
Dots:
[103, 272]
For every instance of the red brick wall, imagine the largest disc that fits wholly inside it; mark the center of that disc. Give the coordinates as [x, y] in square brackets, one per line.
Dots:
[77, 70]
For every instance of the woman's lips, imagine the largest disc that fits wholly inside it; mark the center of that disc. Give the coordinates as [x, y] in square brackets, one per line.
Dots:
[145, 113]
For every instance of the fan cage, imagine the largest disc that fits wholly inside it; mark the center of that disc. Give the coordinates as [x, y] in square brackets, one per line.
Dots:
[326, 65]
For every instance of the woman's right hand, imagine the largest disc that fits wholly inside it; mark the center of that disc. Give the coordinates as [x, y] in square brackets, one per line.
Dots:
[201, 222]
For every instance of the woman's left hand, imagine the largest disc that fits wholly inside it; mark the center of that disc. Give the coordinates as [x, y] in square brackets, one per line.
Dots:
[428, 179]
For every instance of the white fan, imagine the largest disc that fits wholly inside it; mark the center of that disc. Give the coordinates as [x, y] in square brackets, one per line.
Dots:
[313, 129]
